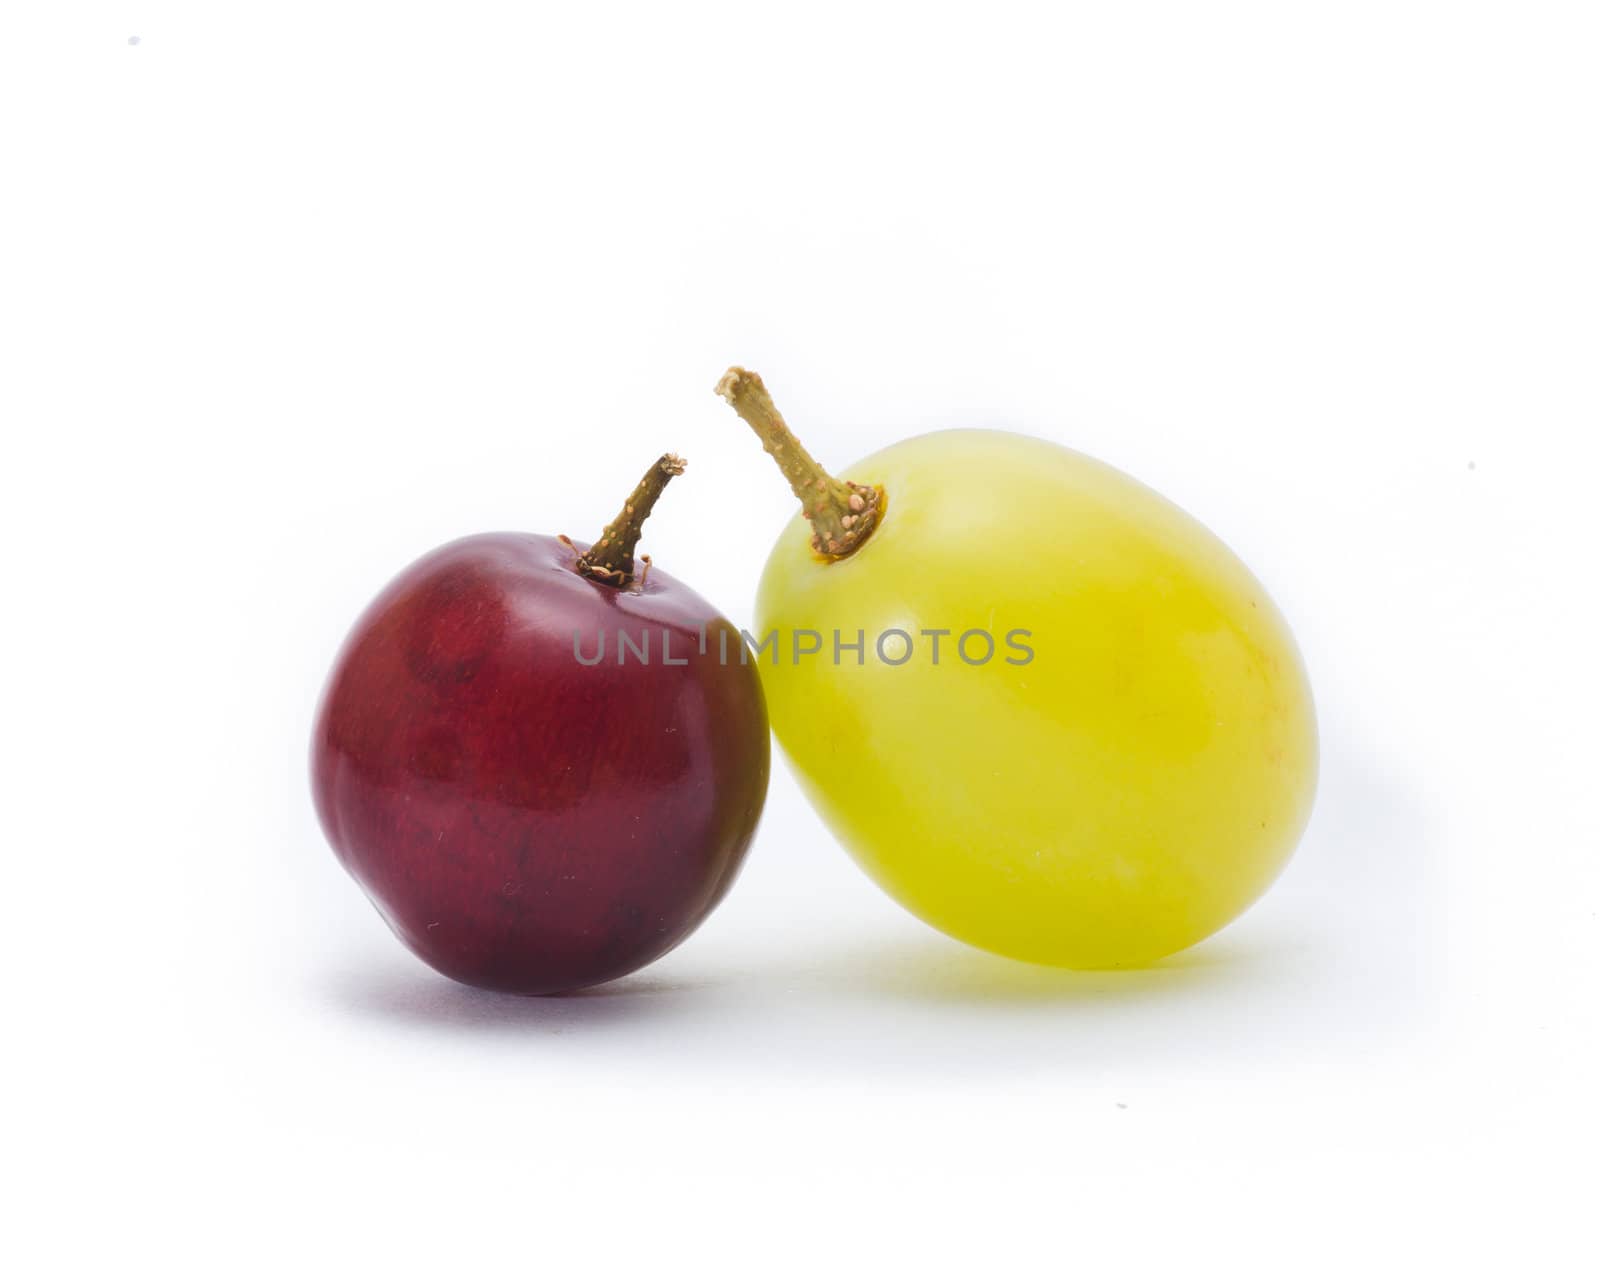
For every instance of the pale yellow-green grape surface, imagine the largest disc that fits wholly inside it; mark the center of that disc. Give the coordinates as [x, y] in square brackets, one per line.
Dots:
[1123, 793]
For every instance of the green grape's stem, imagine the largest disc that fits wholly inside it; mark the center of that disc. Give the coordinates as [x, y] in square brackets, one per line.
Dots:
[843, 514]
[610, 559]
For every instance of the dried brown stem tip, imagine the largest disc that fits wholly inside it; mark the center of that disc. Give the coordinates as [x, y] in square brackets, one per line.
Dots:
[610, 559]
[842, 513]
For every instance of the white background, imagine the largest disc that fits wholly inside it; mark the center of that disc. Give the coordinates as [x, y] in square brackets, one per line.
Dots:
[292, 292]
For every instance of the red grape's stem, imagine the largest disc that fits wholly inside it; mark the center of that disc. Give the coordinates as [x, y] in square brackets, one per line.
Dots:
[842, 513]
[610, 559]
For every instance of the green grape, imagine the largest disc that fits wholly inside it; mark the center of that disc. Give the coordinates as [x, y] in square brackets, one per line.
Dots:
[1077, 730]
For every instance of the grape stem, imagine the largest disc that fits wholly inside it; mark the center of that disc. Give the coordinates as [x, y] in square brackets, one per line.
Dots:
[610, 558]
[843, 514]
